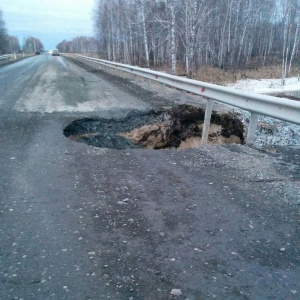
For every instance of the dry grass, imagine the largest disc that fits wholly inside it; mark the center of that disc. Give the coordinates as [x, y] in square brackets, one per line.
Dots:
[218, 76]
[210, 74]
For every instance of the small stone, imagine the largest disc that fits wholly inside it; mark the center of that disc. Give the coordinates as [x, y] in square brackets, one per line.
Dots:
[122, 203]
[162, 234]
[105, 266]
[176, 292]
[92, 253]
[282, 249]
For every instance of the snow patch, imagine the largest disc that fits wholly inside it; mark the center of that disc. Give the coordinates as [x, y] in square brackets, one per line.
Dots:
[267, 86]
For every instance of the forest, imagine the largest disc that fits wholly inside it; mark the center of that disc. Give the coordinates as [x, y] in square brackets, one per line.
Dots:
[226, 34]
[80, 44]
[11, 44]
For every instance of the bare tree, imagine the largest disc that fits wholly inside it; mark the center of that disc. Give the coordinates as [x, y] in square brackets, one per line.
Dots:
[3, 36]
[13, 44]
[80, 44]
[32, 44]
[231, 34]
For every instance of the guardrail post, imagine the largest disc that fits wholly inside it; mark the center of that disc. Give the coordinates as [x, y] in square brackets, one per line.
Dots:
[208, 112]
[252, 128]
[278, 108]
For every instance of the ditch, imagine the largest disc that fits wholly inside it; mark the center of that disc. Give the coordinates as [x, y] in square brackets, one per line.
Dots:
[178, 127]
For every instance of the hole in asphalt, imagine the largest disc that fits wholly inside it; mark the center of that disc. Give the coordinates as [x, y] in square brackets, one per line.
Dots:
[178, 127]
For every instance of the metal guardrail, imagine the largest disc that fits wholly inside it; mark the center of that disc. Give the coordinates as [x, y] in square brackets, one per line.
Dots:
[257, 104]
[5, 57]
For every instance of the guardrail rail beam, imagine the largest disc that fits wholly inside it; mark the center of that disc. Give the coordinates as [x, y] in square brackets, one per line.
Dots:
[258, 104]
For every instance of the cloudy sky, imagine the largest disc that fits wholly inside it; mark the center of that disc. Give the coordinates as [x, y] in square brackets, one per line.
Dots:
[50, 21]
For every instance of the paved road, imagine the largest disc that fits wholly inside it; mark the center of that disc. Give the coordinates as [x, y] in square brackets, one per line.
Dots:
[78, 222]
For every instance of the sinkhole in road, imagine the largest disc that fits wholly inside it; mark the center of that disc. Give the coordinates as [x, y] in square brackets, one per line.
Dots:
[178, 127]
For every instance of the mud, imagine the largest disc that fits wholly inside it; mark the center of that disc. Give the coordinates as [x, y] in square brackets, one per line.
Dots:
[178, 127]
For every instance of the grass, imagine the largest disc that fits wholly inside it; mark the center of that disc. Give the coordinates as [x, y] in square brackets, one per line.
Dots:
[210, 74]
[218, 76]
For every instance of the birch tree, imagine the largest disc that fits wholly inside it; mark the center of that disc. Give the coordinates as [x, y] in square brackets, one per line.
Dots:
[145, 38]
[297, 33]
[231, 34]
[32, 44]
[13, 44]
[286, 8]
[81, 44]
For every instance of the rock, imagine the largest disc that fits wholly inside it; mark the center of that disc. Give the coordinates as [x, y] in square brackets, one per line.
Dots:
[122, 203]
[176, 292]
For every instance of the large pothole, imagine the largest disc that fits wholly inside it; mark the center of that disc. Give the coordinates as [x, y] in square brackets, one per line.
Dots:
[179, 127]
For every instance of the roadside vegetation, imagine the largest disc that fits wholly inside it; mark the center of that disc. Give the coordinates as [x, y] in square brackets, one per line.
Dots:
[229, 35]
[210, 40]
[11, 44]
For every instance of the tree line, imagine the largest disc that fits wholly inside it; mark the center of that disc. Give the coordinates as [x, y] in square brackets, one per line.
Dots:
[11, 44]
[80, 44]
[228, 34]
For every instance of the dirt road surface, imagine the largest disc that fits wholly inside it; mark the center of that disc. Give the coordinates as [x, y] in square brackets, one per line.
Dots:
[79, 222]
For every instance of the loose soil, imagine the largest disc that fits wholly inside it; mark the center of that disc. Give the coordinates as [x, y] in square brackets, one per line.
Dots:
[179, 127]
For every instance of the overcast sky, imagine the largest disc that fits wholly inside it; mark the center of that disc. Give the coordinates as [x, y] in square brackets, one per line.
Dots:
[50, 21]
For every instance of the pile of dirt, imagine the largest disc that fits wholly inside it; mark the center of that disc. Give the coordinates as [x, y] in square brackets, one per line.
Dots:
[179, 127]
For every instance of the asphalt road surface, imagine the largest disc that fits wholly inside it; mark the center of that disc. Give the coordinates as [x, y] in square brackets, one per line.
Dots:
[78, 222]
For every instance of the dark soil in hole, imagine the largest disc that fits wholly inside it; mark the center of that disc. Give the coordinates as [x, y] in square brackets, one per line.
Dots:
[179, 127]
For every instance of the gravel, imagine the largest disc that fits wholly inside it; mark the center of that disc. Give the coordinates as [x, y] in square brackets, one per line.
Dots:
[271, 131]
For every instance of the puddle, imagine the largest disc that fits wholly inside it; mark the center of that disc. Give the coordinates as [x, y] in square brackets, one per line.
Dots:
[179, 127]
